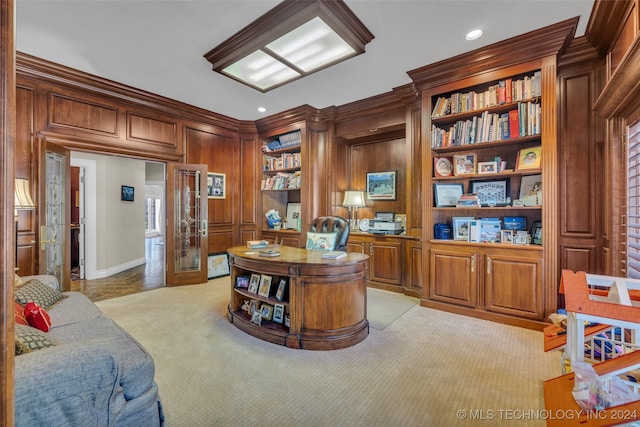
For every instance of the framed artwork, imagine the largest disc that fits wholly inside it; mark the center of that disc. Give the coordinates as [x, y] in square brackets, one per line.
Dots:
[464, 164]
[461, 228]
[381, 185]
[216, 185]
[242, 282]
[265, 285]
[529, 158]
[127, 193]
[266, 311]
[282, 287]
[521, 238]
[487, 168]
[254, 283]
[254, 305]
[491, 193]
[506, 236]
[442, 166]
[447, 194]
[278, 313]
[218, 265]
[536, 232]
[256, 318]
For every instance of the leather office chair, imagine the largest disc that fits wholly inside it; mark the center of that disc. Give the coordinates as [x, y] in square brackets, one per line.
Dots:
[330, 224]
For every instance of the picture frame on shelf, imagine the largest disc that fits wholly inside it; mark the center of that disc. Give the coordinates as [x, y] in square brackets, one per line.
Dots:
[464, 164]
[460, 227]
[506, 236]
[536, 232]
[491, 192]
[521, 238]
[254, 283]
[442, 166]
[381, 185]
[254, 305]
[531, 190]
[256, 318]
[218, 265]
[293, 216]
[216, 185]
[242, 282]
[486, 168]
[278, 313]
[265, 285]
[266, 311]
[529, 158]
[282, 287]
[447, 194]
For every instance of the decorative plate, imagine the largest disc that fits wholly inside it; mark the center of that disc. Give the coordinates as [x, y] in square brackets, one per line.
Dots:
[364, 225]
[443, 166]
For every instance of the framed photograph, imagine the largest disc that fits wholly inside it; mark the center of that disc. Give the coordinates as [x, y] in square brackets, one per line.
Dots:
[487, 168]
[529, 158]
[293, 216]
[464, 164]
[218, 265]
[442, 166]
[521, 238]
[265, 285]
[506, 236]
[256, 318]
[127, 193]
[491, 193]
[254, 305]
[461, 228]
[254, 283]
[381, 185]
[536, 232]
[242, 282]
[266, 311]
[531, 190]
[278, 313]
[447, 194]
[282, 287]
[216, 185]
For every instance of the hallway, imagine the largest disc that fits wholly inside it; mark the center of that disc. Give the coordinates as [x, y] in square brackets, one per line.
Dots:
[138, 279]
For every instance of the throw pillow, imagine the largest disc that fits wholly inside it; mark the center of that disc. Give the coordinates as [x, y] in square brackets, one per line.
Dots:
[29, 339]
[37, 316]
[19, 314]
[36, 291]
[321, 241]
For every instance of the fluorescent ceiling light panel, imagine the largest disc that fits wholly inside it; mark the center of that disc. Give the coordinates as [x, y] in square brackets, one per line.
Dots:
[261, 70]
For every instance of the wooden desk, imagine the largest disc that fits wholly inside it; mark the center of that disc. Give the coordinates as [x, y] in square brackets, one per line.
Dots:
[326, 300]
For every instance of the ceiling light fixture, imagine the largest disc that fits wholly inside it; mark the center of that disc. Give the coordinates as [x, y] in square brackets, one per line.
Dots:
[292, 40]
[262, 109]
[474, 34]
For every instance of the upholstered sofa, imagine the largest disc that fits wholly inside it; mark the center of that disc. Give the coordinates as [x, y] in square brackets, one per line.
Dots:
[92, 374]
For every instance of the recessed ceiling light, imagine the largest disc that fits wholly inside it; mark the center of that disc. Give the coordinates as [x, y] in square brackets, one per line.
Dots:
[262, 109]
[474, 34]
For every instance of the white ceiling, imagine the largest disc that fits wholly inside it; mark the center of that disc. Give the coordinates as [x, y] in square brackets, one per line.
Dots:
[158, 45]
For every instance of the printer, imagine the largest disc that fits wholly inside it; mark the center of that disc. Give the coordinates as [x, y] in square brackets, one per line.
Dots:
[384, 223]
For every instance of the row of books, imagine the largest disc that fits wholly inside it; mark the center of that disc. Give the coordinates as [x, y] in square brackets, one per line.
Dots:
[524, 121]
[504, 92]
[468, 200]
[282, 142]
[285, 161]
[282, 181]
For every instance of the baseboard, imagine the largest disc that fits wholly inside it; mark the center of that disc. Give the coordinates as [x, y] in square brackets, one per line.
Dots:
[101, 274]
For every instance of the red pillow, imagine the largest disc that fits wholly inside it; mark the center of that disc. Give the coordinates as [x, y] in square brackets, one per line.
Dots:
[19, 315]
[37, 316]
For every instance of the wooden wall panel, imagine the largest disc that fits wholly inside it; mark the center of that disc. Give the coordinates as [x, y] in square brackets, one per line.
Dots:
[220, 241]
[249, 179]
[627, 34]
[577, 258]
[81, 114]
[148, 129]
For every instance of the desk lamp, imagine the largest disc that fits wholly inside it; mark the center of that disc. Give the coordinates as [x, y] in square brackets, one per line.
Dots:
[353, 200]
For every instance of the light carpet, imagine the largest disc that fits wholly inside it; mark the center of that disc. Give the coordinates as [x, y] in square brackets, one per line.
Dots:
[419, 368]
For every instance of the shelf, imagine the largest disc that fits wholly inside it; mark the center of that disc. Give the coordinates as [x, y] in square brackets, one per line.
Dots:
[275, 171]
[503, 108]
[284, 189]
[294, 149]
[509, 246]
[270, 300]
[490, 144]
[487, 176]
[488, 208]
[266, 324]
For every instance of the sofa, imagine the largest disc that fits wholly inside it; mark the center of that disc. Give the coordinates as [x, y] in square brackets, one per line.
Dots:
[85, 371]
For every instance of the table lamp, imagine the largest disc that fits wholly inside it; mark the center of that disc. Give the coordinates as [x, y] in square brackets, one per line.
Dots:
[353, 200]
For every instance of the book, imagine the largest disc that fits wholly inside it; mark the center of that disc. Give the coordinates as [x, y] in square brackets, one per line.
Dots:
[334, 255]
[257, 244]
[269, 252]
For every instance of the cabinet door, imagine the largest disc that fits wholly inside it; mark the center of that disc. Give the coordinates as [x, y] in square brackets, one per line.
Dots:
[513, 285]
[356, 246]
[453, 277]
[385, 260]
[413, 266]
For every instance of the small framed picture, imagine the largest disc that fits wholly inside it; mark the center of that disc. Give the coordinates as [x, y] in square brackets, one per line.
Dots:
[242, 282]
[536, 232]
[265, 285]
[216, 185]
[461, 228]
[287, 320]
[521, 238]
[442, 166]
[529, 158]
[464, 164]
[381, 185]
[254, 305]
[217, 265]
[254, 283]
[447, 194]
[256, 318]
[487, 168]
[282, 287]
[266, 311]
[278, 313]
[506, 236]
[492, 193]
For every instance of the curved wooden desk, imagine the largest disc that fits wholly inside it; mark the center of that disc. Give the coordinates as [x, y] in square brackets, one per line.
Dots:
[326, 299]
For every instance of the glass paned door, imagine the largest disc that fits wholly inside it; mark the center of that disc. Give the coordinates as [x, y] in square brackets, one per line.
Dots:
[187, 240]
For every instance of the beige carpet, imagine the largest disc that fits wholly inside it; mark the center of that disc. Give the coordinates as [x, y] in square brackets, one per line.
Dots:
[417, 367]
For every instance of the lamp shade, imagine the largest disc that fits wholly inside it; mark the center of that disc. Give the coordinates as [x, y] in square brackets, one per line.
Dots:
[353, 199]
[23, 198]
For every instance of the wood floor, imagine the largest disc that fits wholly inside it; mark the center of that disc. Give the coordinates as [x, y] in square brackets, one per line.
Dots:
[138, 279]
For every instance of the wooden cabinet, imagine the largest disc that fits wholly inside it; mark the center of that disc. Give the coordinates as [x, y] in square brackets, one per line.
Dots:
[283, 237]
[489, 278]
